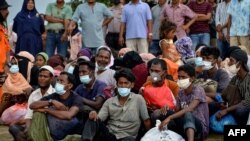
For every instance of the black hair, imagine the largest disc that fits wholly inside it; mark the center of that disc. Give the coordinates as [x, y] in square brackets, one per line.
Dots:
[127, 73]
[43, 69]
[157, 61]
[90, 64]
[190, 70]
[206, 51]
[166, 26]
[131, 59]
[70, 77]
[199, 46]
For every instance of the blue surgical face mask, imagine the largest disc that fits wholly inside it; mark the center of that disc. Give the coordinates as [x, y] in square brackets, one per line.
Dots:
[71, 69]
[123, 91]
[85, 79]
[60, 89]
[14, 69]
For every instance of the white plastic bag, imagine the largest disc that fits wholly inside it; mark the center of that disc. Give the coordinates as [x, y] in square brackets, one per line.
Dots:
[155, 134]
[248, 121]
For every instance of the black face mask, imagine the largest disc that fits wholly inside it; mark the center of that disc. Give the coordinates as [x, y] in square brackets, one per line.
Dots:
[116, 2]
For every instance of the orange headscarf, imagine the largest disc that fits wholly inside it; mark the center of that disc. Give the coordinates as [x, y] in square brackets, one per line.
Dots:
[15, 84]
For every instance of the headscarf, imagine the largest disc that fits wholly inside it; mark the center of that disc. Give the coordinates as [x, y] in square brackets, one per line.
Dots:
[15, 84]
[147, 57]
[45, 56]
[85, 52]
[56, 60]
[25, 63]
[184, 47]
[123, 51]
[25, 13]
[111, 55]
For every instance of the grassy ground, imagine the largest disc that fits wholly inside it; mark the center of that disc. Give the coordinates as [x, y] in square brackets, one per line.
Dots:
[5, 136]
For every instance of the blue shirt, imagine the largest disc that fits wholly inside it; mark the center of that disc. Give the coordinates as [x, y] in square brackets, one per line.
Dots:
[97, 90]
[91, 23]
[240, 13]
[135, 16]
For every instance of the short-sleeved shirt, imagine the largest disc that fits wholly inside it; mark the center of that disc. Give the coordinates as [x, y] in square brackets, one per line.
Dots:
[221, 76]
[96, 90]
[240, 14]
[124, 121]
[114, 25]
[200, 26]
[201, 111]
[62, 13]
[135, 17]
[35, 96]
[156, 12]
[73, 100]
[178, 15]
[221, 15]
[91, 23]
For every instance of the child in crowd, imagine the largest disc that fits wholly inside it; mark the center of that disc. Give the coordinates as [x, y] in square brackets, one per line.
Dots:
[75, 40]
[167, 34]
[41, 60]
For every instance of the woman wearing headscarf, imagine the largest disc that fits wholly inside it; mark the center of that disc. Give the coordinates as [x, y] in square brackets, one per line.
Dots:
[29, 27]
[15, 84]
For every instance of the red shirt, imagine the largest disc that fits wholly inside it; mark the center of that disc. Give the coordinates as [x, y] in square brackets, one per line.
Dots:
[200, 26]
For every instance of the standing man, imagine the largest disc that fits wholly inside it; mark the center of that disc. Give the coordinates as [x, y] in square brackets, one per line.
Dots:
[137, 19]
[156, 12]
[239, 23]
[57, 15]
[4, 43]
[112, 37]
[221, 22]
[94, 16]
[177, 13]
[199, 31]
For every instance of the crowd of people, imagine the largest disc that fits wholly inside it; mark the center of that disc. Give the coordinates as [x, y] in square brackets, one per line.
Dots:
[127, 66]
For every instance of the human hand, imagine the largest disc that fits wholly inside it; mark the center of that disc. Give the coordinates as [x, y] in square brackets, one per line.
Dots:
[64, 37]
[41, 110]
[93, 115]
[121, 41]
[220, 114]
[221, 36]
[185, 28]
[164, 110]
[164, 123]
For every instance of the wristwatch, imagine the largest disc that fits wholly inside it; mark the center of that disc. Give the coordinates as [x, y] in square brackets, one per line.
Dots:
[50, 102]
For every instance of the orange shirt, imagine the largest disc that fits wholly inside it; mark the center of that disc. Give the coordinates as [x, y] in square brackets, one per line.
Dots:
[172, 68]
[170, 84]
[4, 47]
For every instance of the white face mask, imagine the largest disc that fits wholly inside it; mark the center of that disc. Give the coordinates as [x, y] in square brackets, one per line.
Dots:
[184, 83]
[233, 69]
[207, 65]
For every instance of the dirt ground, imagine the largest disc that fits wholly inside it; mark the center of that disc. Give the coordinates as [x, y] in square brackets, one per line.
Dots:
[5, 136]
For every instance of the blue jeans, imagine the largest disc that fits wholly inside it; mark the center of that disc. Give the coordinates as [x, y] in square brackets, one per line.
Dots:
[155, 48]
[53, 40]
[223, 46]
[201, 38]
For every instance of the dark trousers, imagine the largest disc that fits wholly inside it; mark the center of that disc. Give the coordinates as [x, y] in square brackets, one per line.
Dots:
[17, 132]
[112, 40]
[97, 131]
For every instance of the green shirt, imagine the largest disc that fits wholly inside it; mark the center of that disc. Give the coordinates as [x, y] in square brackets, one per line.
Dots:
[63, 13]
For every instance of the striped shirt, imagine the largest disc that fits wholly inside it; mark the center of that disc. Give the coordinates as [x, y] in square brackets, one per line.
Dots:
[244, 88]
[200, 26]
[221, 15]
